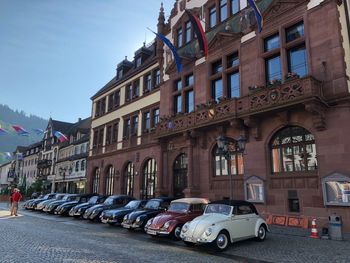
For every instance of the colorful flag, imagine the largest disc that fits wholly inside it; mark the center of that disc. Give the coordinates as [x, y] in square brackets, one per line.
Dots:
[7, 155]
[20, 130]
[258, 15]
[172, 48]
[198, 29]
[19, 156]
[60, 136]
[38, 131]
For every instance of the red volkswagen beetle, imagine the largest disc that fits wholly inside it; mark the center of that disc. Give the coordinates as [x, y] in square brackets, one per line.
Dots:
[180, 211]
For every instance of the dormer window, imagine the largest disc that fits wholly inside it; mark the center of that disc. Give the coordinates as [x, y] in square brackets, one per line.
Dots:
[120, 74]
[138, 61]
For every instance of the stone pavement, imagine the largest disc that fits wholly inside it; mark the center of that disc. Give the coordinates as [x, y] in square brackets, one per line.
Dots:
[64, 236]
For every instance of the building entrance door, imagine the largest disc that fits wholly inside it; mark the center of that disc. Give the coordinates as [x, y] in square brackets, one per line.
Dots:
[180, 175]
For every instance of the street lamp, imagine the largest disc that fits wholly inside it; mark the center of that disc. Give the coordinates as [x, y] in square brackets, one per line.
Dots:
[227, 146]
[62, 172]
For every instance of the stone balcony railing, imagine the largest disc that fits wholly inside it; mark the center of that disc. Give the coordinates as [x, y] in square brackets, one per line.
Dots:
[289, 93]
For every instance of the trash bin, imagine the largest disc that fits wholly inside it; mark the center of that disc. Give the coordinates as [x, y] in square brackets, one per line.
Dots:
[335, 227]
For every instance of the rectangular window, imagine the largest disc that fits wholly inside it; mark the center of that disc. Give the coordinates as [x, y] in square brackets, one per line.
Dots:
[157, 80]
[212, 17]
[179, 37]
[138, 61]
[136, 88]
[115, 132]
[295, 32]
[217, 89]
[100, 137]
[155, 116]
[223, 10]
[126, 128]
[297, 61]
[117, 98]
[135, 124]
[108, 135]
[110, 101]
[178, 85]
[146, 121]
[177, 104]
[271, 43]
[234, 6]
[233, 85]
[255, 191]
[189, 80]
[337, 192]
[97, 108]
[232, 60]
[189, 107]
[273, 69]
[188, 32]
[128, 93]
[216, 67]
[148, 82]
[103, 106]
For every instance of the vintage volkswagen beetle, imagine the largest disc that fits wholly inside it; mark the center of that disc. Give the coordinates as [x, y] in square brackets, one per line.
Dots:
[79, 210]
[42, 204]
[180, 211]
[114, 201]
[32, 204]
[115, 216]
[139, 217]
[224, 222]
[50, 208]
[64, 208]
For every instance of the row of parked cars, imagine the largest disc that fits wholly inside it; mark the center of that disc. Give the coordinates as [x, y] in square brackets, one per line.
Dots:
[193, 220]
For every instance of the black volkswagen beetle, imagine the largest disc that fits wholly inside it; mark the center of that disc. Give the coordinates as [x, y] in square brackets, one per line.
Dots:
[139, 217]
[79, 210]
[24, 205]
[32, 205]
[42, 204]
[50, 208]
[114, 201]
[115, 216]
[64, 208]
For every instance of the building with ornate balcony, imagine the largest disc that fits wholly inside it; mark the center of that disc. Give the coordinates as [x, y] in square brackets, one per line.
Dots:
[30, 163]
[286, 89]
[71, 164]
[125, 111]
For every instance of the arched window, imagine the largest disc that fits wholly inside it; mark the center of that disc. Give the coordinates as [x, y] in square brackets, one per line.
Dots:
[220, 163]
[129, 174]
[149, 180]
[96, 181]
[110, 180]
[293, 149]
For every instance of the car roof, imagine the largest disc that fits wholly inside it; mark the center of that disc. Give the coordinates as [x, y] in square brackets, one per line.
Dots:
[192, 200]
[236, 203]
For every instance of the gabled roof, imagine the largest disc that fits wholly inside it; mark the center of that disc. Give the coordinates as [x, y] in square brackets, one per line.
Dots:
[61, 126]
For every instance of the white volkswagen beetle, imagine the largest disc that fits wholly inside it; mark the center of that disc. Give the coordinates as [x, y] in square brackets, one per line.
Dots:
[224, 222]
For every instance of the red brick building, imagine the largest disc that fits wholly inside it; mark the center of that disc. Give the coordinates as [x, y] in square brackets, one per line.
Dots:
[286, 89]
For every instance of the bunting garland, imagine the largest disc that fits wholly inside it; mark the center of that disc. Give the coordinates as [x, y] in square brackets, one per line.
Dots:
[2, 131]
[20, 130]
[60, 136]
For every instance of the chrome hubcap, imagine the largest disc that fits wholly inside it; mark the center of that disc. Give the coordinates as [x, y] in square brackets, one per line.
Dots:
[177, 232]
[221, 241]
[261, 232]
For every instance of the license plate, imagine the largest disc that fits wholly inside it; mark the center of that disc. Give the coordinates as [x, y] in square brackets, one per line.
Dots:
[189, 239]
[151, 232]
[126, 226]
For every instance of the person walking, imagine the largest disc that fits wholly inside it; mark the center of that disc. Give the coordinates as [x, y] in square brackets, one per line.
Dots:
[16, 197]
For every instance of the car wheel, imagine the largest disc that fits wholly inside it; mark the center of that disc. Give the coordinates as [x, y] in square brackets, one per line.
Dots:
[189, 244]
[222, 241]
[176, 232]
[261, 233]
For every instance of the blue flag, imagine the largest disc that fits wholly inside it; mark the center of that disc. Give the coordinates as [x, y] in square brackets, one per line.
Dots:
[173, 49]
[258, 15]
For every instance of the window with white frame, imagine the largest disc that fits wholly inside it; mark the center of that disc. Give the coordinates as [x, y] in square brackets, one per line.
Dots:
[336, 189]
[254, 189]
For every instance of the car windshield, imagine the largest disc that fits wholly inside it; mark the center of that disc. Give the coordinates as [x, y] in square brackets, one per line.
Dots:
[109, 201]
[59, 197]
[47, 196]
[132, 204]
[93, 200]
[73, 198]
[66, 197]
[179, 207]
[152, 204]
[218, 209]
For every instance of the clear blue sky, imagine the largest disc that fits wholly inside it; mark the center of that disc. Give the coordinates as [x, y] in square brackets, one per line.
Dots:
[56, 54]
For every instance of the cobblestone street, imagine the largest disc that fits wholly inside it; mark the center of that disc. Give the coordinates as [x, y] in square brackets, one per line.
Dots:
[37, 237]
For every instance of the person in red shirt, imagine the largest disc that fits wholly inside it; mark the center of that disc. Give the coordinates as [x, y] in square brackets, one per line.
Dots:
[16, 197]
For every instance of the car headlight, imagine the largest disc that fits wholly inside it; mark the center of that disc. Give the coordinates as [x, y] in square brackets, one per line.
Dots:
[166, 225]
[185, 228]
[125, 217]
[94, 212]
[79, 210]
[138, 219]
[149, 222]
[102, 214]
[208, 231]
